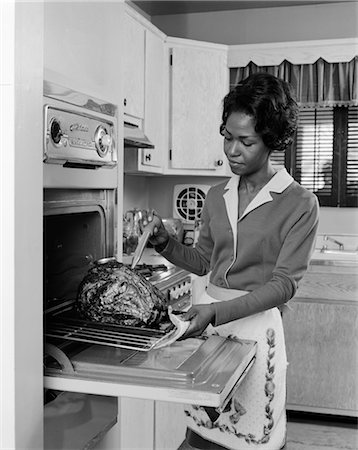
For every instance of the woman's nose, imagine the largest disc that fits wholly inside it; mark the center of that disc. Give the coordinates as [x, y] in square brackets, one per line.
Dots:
[233, 148]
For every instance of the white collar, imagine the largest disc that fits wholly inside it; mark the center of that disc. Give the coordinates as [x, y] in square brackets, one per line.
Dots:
[278, 183]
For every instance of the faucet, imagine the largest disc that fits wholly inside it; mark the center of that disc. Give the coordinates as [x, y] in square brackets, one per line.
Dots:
[328, 238]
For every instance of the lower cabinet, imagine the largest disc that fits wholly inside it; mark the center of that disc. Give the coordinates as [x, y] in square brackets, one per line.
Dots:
[170, 425]
[144, 425]
[322, 342]
[79, 421]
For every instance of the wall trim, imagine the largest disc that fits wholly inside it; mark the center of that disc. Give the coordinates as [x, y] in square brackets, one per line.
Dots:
[184, 42]
[296, 52]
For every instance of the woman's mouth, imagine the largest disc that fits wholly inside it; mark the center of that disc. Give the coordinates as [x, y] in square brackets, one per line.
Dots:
[235, 163]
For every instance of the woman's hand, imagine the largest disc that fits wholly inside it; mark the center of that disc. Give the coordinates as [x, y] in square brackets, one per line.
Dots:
[159, 234]
[200, 317]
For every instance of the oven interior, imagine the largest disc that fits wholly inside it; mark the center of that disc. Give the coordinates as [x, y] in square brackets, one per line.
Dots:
[71, 243]
[78, 232]
[78, 229]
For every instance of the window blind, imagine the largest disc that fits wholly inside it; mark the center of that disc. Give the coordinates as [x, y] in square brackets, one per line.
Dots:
[314, 150]
[352, 154]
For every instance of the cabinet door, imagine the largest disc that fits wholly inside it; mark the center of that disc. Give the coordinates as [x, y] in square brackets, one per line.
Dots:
[170, 425]
[199, 82]
[154, 100]
[321, 340]
[134, 67]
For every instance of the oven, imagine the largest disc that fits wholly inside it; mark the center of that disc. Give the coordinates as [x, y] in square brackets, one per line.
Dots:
[111, 360]
[80, 228]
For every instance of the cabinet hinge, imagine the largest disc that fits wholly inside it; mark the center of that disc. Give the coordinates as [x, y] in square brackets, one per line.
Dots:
[171, 59]
[170, 154]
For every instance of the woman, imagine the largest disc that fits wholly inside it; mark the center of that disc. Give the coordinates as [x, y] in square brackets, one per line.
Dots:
[257, 236]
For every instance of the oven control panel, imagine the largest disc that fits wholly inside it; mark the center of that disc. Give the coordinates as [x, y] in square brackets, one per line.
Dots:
[78, 139]
[180, 295]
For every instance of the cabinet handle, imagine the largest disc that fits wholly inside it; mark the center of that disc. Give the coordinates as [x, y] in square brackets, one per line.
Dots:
[219, 162]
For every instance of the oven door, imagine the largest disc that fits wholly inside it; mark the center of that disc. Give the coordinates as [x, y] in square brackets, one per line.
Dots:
[195, 370]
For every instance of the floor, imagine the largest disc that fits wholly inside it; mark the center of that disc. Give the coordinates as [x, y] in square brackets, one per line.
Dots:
[313, 432]
[317, 432]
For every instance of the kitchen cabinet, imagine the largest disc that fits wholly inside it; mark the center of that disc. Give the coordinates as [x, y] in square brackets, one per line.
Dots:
[198, 82]
[321, 330]
[133, 66]
[83, 47]
[179, 86]
[170, 425]
[152, 70]
[162, 426]
[154, 123]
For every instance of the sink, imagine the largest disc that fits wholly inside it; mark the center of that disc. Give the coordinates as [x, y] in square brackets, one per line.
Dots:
[339, 252]
[334, 256]
[336, 249]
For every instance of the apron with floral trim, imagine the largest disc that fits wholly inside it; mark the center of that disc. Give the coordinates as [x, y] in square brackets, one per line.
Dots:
[255, 418]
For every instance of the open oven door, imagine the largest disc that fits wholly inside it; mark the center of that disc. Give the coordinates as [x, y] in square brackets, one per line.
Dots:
[201, 371]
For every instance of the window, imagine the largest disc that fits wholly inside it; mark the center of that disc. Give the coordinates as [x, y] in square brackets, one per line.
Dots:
[324, 157]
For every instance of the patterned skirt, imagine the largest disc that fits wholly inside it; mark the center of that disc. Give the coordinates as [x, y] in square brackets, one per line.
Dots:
[255, 418]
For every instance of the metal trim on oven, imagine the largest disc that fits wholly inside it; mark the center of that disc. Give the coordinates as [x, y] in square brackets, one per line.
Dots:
[67, 95]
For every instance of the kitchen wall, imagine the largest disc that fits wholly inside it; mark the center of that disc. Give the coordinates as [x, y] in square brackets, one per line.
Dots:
[157, 193]
[298, 23]
[21, 361]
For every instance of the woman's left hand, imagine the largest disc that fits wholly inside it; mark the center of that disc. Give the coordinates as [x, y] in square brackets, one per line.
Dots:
[200, 317]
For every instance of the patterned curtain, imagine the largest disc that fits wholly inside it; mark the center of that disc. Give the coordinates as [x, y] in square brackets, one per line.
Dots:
[318, 84]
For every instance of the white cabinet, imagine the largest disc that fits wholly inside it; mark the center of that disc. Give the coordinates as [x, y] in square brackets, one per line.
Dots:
[170, 425]
[177, 87]
[321, 334]
[154, 124]
[145, 91]
[198, 83]
[134, 62]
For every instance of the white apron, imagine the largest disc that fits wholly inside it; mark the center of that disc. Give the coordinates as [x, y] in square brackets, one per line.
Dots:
[256, 416]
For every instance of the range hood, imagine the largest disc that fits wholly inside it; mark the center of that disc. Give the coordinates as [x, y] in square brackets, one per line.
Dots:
[134, 136]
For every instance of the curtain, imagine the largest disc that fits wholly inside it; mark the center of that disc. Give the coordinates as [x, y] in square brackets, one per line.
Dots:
[318, 84]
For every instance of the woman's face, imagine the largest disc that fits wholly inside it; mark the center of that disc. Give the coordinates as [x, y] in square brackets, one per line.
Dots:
[243, 147]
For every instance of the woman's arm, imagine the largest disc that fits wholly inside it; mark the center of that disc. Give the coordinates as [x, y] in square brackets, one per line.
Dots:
[194, 259]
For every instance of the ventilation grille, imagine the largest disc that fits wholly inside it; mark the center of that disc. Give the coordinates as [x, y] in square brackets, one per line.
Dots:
[188, 201]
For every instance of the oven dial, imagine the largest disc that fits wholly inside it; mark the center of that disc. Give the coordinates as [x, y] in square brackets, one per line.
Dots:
[102, 141]
[55, 131]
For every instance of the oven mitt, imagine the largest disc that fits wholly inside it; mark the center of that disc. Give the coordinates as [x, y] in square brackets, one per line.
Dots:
[180, 328]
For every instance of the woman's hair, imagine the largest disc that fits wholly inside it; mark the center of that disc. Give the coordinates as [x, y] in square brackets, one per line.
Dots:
[270, 102]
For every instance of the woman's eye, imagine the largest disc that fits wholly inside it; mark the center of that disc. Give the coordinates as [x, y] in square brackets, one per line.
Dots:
[248, 144]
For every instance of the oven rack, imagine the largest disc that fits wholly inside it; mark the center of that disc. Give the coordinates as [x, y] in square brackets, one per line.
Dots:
[132, 338]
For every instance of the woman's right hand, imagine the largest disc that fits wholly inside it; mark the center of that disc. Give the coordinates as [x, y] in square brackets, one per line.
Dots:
[159, 234]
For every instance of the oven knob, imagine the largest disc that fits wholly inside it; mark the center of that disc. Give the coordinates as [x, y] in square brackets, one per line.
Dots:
[102, 141]
[55, 131]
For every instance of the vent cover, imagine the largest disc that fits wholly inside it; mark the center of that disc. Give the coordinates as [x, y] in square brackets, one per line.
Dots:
[188, 201]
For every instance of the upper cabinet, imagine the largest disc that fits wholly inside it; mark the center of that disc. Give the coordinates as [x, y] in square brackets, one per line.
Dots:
[78, 47]
[175, 87]
[198, 82]
[134, 67]
[154, 98]
[145, 91]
